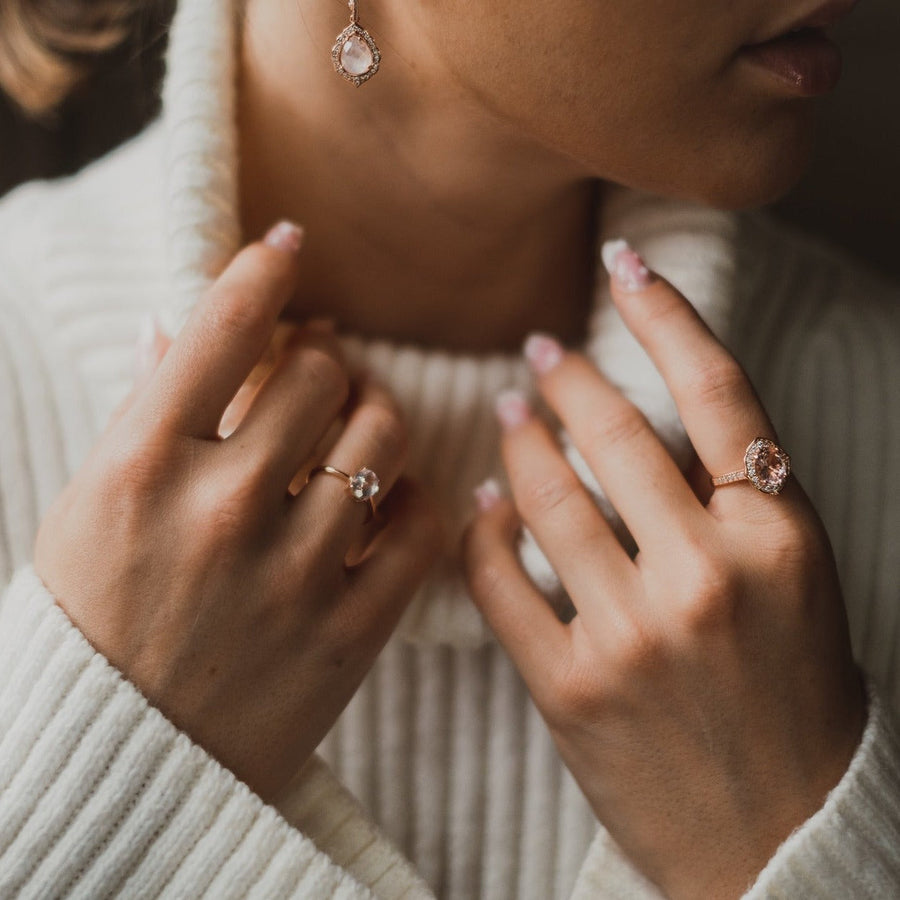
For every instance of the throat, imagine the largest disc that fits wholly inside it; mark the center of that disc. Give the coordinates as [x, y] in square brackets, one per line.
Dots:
[407, 280]
[430, 223]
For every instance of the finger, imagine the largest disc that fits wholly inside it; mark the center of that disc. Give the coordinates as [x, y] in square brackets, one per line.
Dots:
[636, 472]
[375, 439]
[227, 333]
[699, 480]
[718, 406]
[293, 408]
[536, 641]
[152, 344]
[558, 510]
[283, 336]
[397, 560]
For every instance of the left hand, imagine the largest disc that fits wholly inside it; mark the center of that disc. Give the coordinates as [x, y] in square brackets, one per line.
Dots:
[705, 696]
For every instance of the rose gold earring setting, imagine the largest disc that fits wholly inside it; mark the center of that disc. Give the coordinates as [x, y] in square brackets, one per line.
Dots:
[354, 54]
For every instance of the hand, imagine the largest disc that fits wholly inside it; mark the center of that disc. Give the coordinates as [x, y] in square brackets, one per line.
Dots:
[184, 558]
[704, 696]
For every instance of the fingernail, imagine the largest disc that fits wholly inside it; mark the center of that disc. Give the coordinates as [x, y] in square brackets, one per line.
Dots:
[625, 266]
[145, 347]
[543, 353]
[487, 494]
[285, 236]
[512, 409]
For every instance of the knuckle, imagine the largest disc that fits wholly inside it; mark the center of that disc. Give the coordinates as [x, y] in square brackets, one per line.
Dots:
[223, 514]
[720, 384]
[795, 544]
[709, 599]
[544, 496]
[385, 429]
[486, 580]
[667, 306]
[619, 427]
[135, 467]
[577, 695]
[638, 650]
[325, 373]
[233, 314]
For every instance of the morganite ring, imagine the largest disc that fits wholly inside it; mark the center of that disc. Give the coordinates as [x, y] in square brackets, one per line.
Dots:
[766, 467]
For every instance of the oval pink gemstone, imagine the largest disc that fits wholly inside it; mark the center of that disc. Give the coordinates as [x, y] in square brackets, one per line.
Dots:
[768, 466]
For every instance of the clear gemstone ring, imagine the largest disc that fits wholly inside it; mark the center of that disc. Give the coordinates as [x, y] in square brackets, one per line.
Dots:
[766, 467]
[363, 485]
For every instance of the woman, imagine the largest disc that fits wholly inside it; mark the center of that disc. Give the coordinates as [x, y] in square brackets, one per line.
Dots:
[194, 599]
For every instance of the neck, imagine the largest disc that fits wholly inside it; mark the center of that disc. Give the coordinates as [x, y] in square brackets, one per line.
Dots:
[428, 218]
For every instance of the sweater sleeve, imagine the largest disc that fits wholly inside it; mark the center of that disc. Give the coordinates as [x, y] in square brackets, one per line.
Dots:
[849, 848]
[102, 796]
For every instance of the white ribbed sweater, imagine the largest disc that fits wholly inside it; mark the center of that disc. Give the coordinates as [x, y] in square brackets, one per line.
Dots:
[458, 789]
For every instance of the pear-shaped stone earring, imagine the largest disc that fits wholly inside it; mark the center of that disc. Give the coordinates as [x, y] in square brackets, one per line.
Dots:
[355, 55]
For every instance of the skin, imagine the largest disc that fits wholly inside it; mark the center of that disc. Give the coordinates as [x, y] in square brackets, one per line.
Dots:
[705, 697]
[184, 499]
[483, 153]
[451, 202]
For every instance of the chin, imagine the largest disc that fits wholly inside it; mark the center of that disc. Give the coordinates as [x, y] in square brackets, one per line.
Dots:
[763, 167]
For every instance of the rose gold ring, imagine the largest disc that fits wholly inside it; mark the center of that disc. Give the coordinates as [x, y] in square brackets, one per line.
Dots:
[363, 486]
[766, 467]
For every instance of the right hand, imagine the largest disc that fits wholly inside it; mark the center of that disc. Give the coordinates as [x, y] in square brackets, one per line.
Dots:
[185, 560]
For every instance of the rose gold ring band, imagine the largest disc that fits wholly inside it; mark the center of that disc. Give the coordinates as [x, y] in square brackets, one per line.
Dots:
[766, 467]
[730, 478]
[363, 486]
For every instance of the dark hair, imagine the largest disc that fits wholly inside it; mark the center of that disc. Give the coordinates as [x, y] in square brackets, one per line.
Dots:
[47, 46]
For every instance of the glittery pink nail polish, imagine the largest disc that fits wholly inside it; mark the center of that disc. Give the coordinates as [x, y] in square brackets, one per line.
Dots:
[625, 266]
[543, 353]
[487, 494]
[285, 236]
[512, 409]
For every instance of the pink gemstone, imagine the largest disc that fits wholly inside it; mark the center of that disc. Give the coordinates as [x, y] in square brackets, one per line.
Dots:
[356, 56]
[768, 466]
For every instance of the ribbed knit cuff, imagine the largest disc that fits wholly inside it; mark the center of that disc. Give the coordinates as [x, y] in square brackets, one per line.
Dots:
[851, 846]
[100, 795]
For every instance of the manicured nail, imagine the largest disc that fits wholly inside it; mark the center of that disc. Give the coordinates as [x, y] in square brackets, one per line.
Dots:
[285, 236]
[145, 348]
[543, 353]
[625, 266]
[512, 409]
[487, 494]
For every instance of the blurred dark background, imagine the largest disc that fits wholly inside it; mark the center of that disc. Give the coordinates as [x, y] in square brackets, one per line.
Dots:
[851, 192]
[114, 104]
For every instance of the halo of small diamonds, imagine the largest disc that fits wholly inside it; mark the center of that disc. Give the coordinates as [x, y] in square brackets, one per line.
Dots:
[767, 466]
[352, 44]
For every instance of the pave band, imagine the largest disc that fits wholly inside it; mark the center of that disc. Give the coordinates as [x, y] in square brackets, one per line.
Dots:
[766, 467]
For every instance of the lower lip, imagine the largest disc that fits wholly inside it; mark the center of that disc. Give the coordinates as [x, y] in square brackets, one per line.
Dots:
[807, 61]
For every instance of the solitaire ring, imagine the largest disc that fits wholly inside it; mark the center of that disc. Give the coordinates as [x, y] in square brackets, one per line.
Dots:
[766, 467]
[363, 486]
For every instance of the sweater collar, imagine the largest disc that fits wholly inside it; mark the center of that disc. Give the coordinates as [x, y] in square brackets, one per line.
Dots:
[447, 396]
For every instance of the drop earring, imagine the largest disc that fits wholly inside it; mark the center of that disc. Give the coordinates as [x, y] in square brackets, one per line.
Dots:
[355, 55]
